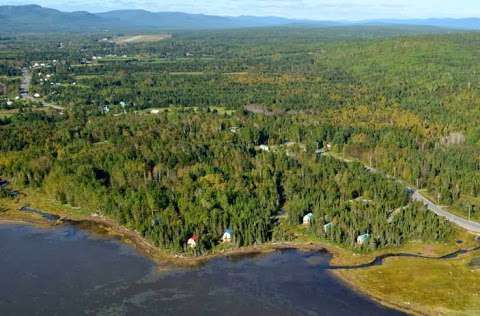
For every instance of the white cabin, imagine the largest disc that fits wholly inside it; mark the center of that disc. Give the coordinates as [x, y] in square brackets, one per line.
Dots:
[307, 219]
[264, 148]
[227, 236]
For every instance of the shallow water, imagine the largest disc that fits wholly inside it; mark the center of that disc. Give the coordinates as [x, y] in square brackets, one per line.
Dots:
[67, 271]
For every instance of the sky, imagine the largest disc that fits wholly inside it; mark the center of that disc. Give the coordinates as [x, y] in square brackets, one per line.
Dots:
[301, 9]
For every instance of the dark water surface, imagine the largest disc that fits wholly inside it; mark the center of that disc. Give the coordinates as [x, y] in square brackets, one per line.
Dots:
[67, 271]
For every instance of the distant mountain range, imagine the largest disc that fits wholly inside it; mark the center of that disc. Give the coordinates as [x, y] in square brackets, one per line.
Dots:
[34, 18]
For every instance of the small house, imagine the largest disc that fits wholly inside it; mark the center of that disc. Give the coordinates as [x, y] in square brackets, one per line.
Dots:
[36, 95]
[227, 236]
[327, 227]
[362, 239]
[307, 219]
[9, 103]
[192, 241]
[264, 148]
[328, 147]
[154, 111]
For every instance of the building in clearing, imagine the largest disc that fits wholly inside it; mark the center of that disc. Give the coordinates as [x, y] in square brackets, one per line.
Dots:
[227, 236]
[307, 219]
[192, 241]
[327, 227]
[36, 95]
[264, 148]
[362, 239]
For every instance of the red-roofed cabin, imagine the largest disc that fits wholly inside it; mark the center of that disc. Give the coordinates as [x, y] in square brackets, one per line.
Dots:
[192, 241]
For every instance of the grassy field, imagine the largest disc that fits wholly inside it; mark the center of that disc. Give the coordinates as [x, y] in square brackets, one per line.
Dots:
[7, 113]
[141, 38]
[420, 286]
[427, 286]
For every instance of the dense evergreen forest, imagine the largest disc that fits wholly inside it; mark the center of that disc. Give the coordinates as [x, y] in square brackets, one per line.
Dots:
[230, 129]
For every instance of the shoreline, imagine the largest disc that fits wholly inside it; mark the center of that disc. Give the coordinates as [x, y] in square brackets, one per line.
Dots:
[164, 259]
[382, 301]
[106, 227]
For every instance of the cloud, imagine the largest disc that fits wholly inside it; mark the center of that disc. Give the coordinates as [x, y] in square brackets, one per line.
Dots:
[310, 9]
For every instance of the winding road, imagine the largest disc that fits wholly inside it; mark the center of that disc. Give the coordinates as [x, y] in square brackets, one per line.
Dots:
[471, 226]
[417, 196]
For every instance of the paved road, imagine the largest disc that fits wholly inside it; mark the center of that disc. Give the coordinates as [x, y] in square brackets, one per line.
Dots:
[25, 91]
[460, 221]
[417, 196]
[25, 83]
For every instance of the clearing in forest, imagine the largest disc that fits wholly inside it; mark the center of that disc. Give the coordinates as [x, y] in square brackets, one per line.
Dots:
[141, 38]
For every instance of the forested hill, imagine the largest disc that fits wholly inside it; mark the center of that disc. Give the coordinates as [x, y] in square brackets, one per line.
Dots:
[465, 24]
[34, 18]
[37, 19]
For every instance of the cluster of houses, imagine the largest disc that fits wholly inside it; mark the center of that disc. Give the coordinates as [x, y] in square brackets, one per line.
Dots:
[106, 108]
[361, 239]
[45, 78]
[227, 237]
[39, 65]
[86, 61]
[320, 151]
